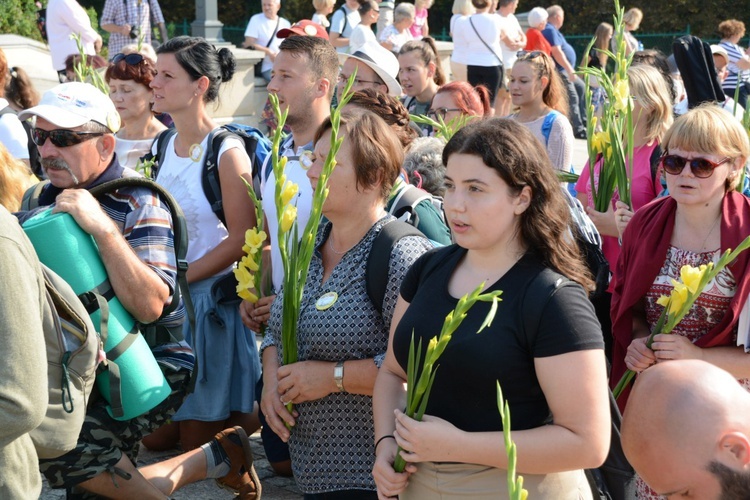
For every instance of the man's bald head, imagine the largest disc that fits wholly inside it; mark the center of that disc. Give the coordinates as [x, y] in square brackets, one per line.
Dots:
[681, 417]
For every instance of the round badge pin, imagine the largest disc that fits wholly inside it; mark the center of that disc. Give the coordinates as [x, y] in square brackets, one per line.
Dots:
[326, 300]
[305, 160]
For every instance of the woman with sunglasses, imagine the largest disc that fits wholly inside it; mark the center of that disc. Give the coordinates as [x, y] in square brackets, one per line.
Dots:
[538, 94]
[704, 153]
[456, 99]
[189, 74]
[544, 346]
[129, 77]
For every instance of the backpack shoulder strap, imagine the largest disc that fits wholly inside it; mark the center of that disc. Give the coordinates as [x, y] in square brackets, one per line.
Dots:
[406, 200]
[7, 110]
[654, 161]
[547, 124]
[346, 21]
[162, 141]
[378, 262]
[210, 175]
[30, 199]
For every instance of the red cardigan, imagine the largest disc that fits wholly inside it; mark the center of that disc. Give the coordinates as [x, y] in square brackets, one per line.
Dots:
[644, 249]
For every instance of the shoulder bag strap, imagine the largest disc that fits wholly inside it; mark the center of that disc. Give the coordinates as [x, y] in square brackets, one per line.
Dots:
[273, 35]
[471, 21]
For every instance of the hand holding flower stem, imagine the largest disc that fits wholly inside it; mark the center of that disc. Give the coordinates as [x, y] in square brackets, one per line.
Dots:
[681, 299]
[418, 388]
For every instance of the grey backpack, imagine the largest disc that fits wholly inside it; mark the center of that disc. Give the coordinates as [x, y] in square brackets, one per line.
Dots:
[73, 347]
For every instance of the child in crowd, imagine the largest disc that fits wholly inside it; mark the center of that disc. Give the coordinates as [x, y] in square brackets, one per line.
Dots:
[420, 27]
[322, 9]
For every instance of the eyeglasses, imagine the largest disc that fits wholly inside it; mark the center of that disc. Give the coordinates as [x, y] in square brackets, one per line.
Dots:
[700, 167]
[525, 54]
[441, 112]
[61, 138]
[357, 82]
[131, 59]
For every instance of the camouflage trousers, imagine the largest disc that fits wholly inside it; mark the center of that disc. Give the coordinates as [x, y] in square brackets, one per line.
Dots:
[103, 440]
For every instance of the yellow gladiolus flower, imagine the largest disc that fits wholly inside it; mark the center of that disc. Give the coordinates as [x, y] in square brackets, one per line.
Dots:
[249, 263]
[600, 141]
[692, 276]
[288, 217]
[244, 283]
[621, 95]
[288, 192]
[678, 297]
[663, 300]
[253, 240]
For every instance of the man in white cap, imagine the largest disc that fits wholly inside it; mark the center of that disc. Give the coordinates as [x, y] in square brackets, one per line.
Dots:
[376, 68]
[132, 227]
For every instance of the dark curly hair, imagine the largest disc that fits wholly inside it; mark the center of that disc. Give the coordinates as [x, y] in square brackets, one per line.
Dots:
[390, 109]
[518, 157]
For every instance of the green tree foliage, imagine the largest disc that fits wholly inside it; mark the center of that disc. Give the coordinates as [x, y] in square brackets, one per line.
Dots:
[19, 17]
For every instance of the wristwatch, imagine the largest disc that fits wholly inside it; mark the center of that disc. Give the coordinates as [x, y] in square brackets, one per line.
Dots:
[338, 375]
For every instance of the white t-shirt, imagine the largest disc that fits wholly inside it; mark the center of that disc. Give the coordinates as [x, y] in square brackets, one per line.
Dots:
[511, 28]
[295, 173]
[182, 178]
[130, 151]
[65, 17]
[338, 25]
[321, 20]
[261, 28]
[471, 50]
[396, 37]
[360, 36]
[12, 134]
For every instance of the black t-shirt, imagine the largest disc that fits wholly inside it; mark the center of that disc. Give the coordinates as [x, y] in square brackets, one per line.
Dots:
[464, 391]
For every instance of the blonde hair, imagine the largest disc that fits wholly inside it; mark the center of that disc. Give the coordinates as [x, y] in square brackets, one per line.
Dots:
[15, 178]
[710, 129]
[463, 7]
[633, 18]
[425, 4]
[650, 89]
[322, 4]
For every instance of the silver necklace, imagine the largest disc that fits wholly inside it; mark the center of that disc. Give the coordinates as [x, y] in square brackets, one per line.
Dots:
[330, 245]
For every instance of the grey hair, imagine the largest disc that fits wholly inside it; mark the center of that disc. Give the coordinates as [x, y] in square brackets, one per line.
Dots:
[424, 160]
[403, 11]
[97, 127]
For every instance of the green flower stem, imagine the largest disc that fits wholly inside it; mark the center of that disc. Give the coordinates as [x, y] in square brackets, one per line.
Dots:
[668, 322]
[418, 387]
[296, 253]
[442, 129]
[515, 484]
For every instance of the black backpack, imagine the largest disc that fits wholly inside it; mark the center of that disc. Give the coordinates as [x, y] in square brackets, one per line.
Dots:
[257, 146]
[406, 200]
[696, 64]
[35, 161]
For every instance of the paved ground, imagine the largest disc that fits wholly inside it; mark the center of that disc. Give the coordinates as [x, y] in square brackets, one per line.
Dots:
[274, 487]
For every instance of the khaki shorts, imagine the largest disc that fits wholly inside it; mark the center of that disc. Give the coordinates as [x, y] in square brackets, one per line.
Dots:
[452, 481]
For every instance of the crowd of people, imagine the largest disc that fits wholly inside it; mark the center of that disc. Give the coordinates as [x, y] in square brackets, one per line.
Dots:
[487, 208]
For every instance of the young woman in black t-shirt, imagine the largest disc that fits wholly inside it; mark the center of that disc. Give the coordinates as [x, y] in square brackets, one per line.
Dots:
[508, 216]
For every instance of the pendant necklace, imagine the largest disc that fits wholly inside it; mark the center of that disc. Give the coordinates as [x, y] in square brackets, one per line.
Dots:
[195, 152]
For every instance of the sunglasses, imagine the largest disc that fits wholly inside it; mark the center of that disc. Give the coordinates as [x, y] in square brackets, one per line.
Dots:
[700, 167]
[131, 59]
[61, 138]
[441, 112]
[525, 54]
[357, 82]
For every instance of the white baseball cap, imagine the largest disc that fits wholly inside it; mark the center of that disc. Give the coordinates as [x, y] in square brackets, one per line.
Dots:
[70, 105]
[381, 61]
[719, 50]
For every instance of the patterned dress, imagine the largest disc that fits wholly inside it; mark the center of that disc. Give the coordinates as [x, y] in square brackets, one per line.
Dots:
[707, 311]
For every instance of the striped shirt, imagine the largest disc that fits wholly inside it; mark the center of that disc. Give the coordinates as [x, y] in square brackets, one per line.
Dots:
[145, 223]
[735, 53]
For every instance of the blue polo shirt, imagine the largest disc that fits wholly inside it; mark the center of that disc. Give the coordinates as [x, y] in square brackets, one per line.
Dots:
[555, 38]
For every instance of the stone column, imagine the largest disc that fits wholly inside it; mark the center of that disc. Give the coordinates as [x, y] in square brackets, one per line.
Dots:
[207, 22]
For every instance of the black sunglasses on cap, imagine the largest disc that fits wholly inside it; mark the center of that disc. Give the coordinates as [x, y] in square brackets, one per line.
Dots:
[700, 167]
[61, 138]
[131, 59]
[525, 54]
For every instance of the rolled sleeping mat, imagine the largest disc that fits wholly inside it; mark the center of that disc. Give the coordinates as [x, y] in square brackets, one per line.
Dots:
[72, 253]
